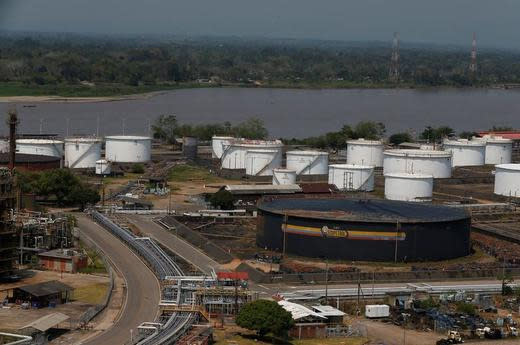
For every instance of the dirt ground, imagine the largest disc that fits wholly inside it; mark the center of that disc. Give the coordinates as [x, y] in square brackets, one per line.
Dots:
[389, 334]
[14, 317]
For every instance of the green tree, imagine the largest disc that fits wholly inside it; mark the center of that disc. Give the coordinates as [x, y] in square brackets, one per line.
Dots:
[82, 196]
[399, 138]
[265, 317]
[138, 168]
[252, 128]
[436, 134]
[369, 130]
[467, 134]
[166, 128]
[223, 200]
[501, 129]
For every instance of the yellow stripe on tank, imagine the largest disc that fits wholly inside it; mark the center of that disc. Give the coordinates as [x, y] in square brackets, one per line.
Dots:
[350, 234]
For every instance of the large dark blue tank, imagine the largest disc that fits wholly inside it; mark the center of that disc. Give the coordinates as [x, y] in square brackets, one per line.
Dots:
[363, 230]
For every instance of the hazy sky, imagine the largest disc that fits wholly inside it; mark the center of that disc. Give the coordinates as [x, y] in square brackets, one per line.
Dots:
[439, 21]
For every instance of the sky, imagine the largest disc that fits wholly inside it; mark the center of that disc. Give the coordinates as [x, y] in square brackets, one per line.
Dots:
[438, 21]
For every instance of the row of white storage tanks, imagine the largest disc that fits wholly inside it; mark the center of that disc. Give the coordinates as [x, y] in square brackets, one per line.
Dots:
[264, 157]
[84, 152]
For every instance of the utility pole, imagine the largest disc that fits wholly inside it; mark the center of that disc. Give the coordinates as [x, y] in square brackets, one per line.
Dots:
[473, 63]
[284, 233]
[393, 74]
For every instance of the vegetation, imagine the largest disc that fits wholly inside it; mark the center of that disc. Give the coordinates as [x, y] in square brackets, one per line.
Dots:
[59, 185]
[399, 138]
[466, 308]
[167, 128]
[79, 65]
[93, 294]
[265, 317]
[138, 168]
[95, 262]
[369, 130]
[185, 172]
[222, 200]
[428, 303]
[432, 134]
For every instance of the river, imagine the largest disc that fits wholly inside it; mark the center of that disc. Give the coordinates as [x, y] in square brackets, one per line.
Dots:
[286, 112]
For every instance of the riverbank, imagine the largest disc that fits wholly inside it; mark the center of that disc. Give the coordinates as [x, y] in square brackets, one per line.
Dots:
[21, 93]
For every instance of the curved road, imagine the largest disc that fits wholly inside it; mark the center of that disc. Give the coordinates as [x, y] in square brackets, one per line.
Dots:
[143, 289]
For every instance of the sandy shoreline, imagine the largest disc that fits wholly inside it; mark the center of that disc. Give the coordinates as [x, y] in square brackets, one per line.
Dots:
[59, 99]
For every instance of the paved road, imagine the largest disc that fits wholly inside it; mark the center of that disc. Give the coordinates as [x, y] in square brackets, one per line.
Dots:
[177, 245]
[143, 290]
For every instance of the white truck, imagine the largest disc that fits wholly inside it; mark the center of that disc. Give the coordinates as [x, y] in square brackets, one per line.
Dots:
[374, 311]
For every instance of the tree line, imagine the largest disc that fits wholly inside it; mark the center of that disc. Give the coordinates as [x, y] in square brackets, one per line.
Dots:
[79, 61]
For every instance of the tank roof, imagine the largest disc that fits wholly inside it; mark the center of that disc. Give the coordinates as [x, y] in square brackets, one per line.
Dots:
[127, 137]
[38, 141]
[369, 210]
[417, 153]
[409, 176]
[464, 142]
[82, 139]
[362, 141]
[351, 166]
[307, 153]
[496, 140]
[515, 167]
[222, 137]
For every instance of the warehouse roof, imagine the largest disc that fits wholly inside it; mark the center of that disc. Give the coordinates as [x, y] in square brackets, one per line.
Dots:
[46, 288]
[239, 189]
[299, 311]
[370, 210]
[327, 310]
[48, 321]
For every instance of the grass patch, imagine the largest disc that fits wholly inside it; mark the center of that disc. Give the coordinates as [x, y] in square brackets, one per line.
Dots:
[232, 338]
[185, 173]
[93, 294]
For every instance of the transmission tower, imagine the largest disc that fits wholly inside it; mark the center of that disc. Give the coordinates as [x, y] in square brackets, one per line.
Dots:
[394, 62]
[473, 63]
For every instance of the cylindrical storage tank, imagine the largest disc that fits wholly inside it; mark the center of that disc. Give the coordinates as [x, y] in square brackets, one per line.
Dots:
[189, 147]
[352, 177]
[498, 150]
[103, 167]
[82, 153]
[426, 162]
[234, 155]
[128, 149]
[365, 152]
[261, 162]
[466, 152]
[408, 187]
[43, 147]
[218, 145]
[308, 162]
[507, 180]
[284, 176]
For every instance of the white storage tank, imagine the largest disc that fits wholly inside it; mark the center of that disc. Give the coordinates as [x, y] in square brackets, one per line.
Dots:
[44, 147]
[308, 162]
[218, 145]
[352, 177]
[4, 146]
[81, 153]
[365, 152]
[427, 162]
[261, 162]
[507, 180]
[284, 176]
[498, 150]
[466, 152]
[408, 187]
[234, 155]
[103, 167]
[128, 149]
